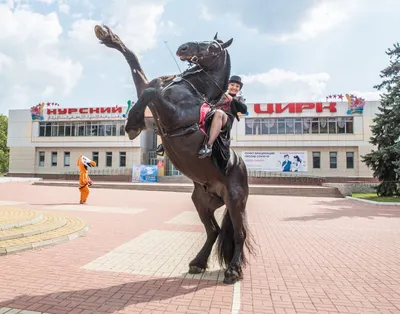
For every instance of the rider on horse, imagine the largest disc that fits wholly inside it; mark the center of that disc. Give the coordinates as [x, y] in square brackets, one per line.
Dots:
[223, 115]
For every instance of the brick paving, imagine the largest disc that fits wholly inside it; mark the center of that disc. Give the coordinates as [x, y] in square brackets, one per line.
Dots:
[313, 256]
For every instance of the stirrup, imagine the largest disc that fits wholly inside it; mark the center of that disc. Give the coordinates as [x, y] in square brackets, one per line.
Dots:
[160, 150]
[205, 151]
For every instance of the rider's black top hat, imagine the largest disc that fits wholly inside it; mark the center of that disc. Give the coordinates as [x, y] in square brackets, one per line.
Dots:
[236, 79]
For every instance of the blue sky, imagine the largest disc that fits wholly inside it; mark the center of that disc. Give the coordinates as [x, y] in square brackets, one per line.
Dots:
[292, 50]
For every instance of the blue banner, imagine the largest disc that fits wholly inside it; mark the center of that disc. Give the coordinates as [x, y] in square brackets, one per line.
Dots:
[144, 173]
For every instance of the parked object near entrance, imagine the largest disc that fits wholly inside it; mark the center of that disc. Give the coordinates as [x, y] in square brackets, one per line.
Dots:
[175, 102]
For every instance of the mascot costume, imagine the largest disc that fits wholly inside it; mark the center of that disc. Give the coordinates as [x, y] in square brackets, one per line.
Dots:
[84, 179]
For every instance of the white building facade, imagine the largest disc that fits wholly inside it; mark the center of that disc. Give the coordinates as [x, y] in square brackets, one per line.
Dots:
[319, 139]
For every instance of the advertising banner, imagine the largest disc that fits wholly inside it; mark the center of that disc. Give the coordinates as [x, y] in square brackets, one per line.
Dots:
[276, 161]
[144, 173]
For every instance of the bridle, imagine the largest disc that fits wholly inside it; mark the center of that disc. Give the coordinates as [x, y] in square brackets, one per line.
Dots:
[182, 77]
[195, 60]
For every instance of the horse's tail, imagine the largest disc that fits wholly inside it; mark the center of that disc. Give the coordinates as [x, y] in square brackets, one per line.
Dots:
[226, 241]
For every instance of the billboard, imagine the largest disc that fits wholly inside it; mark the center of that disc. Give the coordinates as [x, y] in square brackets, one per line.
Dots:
[144, 173]
[276, 161]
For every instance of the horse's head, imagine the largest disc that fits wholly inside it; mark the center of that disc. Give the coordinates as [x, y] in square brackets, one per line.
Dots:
[203, 53]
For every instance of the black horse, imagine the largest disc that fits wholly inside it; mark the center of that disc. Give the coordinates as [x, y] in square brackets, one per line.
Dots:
[176, 103]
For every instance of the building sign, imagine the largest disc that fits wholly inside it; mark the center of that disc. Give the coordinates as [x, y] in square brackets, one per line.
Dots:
[84, 113]
[52, 111]
[294, 107]
[276, 161]
[144, 173]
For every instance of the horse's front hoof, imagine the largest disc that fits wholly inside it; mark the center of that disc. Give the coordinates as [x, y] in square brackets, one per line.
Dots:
[101, 34]
[195, 270]
[231, 276]
[230, 280]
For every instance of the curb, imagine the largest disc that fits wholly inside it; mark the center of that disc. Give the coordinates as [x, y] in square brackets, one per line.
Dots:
[23, 223]
[373, 202]
[41, 244]
[305, 191]
[60, 224]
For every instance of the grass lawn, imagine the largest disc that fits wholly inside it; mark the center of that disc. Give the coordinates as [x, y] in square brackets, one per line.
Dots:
[375, 198]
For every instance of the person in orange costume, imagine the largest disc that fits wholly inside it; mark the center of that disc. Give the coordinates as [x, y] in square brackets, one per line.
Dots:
[84, 179]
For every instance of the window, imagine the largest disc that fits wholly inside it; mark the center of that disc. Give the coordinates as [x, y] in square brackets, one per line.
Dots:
[41, 159]
[54, 159]
[350, 160]
[82, 128]
[316, 160]
[316, 125]
[349, 125]
[95, 158]
[108, 159]
[67, 159]
[122, 159]
[333, 160]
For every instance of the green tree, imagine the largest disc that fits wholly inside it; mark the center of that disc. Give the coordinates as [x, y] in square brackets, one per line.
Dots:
[384, 161]
[4, 150]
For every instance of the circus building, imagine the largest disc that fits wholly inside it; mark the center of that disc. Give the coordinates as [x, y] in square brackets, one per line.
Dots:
[325, 139]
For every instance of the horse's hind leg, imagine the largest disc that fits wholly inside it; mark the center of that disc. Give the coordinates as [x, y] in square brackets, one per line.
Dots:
[205, 204]
[234, 233]
[236, 204]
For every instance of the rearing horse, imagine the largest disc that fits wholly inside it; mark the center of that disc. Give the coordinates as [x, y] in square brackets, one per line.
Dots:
[176, 103]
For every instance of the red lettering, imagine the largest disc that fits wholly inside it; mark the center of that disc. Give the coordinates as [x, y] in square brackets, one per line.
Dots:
[83, 110]
[304, 105]
[298, 107]
[62, 111]
[270, 108]
[51, 111]
[105, 110]
[279, 109]
[117, 110]
[321, 107]
[72, 110]
[94, 110]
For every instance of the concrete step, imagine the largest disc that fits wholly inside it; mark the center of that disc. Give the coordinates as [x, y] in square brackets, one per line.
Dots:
[51, 229]
[48, 223]
[300, 191]
[14, 217]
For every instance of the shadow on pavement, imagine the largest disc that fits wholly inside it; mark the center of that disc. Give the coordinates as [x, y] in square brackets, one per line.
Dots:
[114, 298]
[335, 209]
[55, 204]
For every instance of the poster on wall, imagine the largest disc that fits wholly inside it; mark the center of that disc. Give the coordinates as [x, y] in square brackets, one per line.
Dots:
[275, 161]
[144, 173]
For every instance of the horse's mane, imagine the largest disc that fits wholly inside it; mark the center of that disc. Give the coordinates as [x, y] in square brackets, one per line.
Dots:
[228, 64]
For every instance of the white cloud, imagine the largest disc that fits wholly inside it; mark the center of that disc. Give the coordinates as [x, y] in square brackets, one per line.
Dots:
[33, 41]
[283, 85]
[205, 13]
[46, 1]
[323, 17]
[136, 24]
[5, 61]
[83, 30]
[369, 96]
[63, 7]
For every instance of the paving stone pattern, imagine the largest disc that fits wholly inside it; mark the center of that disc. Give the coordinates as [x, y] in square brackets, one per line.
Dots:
[312, 256]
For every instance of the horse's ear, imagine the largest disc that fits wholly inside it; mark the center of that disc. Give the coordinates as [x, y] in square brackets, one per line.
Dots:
[227, 44]
[216, 36]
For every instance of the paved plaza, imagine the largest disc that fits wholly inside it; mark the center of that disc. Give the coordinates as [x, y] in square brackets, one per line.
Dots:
[313, 255]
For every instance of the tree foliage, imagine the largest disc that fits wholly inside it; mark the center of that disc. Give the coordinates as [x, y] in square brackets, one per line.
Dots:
[4, 150]
[385, 160]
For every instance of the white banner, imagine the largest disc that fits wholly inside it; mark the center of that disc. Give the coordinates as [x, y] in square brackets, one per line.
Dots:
[273, 161]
